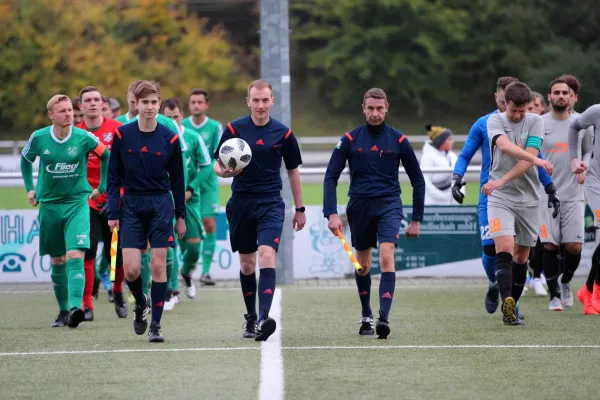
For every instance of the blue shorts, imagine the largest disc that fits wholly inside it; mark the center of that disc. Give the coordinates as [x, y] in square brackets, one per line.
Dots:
[147, 218]
[253, 222]
[484, 225]
[374, 220]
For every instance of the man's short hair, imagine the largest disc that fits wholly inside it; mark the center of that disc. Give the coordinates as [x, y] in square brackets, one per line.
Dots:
[145, 89]
[133, 85]
[260, 84]
[171, 104]
[519, 93]
[556, 81]
[87, 89]
[503, 82]
[572, 82]
[536, 95]
[375, 93]
[114, 103]
[197, 92]
[75, 103]
[105, 99]
[57, 98]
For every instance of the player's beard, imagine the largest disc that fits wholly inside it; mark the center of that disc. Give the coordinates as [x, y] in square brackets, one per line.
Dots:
[559, 107]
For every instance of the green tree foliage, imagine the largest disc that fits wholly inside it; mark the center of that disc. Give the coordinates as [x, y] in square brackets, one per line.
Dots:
[60, 46]
[443, 54]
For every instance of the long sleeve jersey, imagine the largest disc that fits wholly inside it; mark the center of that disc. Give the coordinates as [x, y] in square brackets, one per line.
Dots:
[145, 163]
[374, 154]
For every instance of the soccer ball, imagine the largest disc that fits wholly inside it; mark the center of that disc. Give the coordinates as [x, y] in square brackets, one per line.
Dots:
[235, 153]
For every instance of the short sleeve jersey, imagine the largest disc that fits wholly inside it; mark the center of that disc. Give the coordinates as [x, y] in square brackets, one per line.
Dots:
[195, 155]
[63, 163]
[270, 144]
[528, 132]
[210, 130]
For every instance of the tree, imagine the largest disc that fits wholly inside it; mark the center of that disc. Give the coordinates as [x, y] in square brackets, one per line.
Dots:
[58, 46]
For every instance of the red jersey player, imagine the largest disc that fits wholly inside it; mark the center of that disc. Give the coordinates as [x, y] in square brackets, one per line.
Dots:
[103, 128]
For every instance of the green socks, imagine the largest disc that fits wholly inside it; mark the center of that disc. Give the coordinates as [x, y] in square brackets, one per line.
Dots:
[208, 250]
[190, 258]
[145, 273]
[173, 277]
[60, 281]
[76, 281]
[104, 265]
[170, 256]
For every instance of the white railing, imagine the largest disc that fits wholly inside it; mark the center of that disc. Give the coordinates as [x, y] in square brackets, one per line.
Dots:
[303, 171]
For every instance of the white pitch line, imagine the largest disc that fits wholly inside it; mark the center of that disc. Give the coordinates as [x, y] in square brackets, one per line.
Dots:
[271, 363]
[295, 348]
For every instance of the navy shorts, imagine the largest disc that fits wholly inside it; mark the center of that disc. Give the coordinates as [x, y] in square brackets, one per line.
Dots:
[253, 222]
[147, 218]
[374, 220]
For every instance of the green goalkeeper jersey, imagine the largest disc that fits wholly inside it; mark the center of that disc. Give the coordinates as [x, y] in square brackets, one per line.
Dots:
[63, 163]
[195, 157]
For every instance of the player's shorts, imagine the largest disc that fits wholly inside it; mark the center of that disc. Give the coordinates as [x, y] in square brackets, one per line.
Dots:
[592, 196]
[64, 226]
[254, 221]
[99, 229]
[484, 225]
[193, 221]
[147, 218]
[209, 197]
[518, 221]
[374, 220]
[567, 227]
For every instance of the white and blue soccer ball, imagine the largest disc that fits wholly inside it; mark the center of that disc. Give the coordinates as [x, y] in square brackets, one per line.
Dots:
[235, 153]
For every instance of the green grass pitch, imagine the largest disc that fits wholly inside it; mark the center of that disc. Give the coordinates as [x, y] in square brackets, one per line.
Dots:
[14, 198]
[323, 355]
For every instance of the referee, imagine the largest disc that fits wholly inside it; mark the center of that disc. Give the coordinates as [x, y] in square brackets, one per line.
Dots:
[147, 162]
[374, 152]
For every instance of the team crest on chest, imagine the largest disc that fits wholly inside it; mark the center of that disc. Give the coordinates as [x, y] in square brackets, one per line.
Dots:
[73, 151]
[107, 137]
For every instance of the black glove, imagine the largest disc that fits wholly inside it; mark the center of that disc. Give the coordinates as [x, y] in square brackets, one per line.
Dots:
[103, 209]
[457, 184]
[553, 201]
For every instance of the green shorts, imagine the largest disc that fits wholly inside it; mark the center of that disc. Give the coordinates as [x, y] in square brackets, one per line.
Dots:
[64, 226]
[209, 197]
[193, 221]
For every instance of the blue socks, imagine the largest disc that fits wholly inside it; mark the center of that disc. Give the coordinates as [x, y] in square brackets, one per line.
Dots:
[248, 283]
[266, 289]
[158, 291]
[489, 265]
[363, 284]
[386, 292]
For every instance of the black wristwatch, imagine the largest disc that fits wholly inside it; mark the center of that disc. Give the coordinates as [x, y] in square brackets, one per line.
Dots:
[300, 209]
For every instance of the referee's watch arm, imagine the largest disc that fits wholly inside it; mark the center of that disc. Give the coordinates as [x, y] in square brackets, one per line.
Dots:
[413, 170]
[299, 219]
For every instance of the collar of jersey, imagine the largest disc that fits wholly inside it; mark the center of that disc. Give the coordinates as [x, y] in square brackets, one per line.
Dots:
[201, 125]
[56, 139]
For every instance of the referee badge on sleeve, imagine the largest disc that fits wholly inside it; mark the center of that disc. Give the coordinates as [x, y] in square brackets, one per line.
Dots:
[338, 145]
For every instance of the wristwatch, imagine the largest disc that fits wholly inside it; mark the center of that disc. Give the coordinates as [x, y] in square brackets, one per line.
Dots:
[300, 209]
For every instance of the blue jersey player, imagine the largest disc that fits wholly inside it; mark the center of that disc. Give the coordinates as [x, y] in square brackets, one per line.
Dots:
[255, 211]
[478, 139]
[374, 152]
[146, 161]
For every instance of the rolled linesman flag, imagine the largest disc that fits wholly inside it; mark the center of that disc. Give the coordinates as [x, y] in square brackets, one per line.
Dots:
[349, 252]
[113, 253]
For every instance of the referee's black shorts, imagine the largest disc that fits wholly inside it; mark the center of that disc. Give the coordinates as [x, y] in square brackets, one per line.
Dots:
[147, 218]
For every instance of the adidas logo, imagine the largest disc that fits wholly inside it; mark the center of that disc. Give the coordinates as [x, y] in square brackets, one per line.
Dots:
[386, 295]
[171, 239]
[46, 151]
[276, 240]
[144, 149]
[161, 304]
[260, 141]
[248, 294]
[363, 293]
[78, 276]
[81, 241]
[268, 291]
[374, 148]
